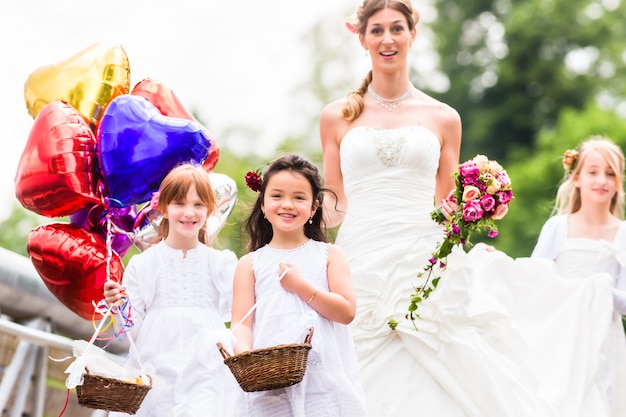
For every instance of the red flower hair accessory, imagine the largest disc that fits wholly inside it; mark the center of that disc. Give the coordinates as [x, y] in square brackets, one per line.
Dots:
[254, 181]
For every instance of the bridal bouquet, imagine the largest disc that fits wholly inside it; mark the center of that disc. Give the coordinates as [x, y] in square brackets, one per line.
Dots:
[483, 193]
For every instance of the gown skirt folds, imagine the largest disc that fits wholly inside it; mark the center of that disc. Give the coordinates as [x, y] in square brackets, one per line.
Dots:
[478, 349]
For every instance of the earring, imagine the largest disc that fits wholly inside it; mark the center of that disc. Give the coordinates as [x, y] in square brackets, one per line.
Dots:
[366, 53]
[311, 220]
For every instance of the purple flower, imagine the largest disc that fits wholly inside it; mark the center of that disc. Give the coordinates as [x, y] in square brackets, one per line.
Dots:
[455, 229]
[492, 233]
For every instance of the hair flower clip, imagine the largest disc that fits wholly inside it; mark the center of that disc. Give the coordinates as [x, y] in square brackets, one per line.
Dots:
[254, 181]
[352, 23]
[570, 156]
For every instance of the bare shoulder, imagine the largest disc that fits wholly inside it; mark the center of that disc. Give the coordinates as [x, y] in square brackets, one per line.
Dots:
[443, 112]
[245, 262]
[332, 124]
[331, 113]
[335, 251]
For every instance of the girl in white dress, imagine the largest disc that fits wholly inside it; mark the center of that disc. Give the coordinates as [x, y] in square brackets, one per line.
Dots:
[179, 292]
[587, 240]
[297, 281]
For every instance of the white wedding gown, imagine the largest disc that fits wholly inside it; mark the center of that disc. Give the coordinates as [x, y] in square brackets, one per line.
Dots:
[475, 351]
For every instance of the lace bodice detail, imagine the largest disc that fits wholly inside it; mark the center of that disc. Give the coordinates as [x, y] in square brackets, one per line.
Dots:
[182, 279]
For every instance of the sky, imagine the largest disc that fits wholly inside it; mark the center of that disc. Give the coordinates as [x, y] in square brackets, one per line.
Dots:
[229, 62]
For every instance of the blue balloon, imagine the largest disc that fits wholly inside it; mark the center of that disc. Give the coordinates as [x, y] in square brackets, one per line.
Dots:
[137, 146]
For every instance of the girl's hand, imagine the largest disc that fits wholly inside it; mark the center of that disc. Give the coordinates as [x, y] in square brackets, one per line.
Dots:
[291, 279]
[114, 292]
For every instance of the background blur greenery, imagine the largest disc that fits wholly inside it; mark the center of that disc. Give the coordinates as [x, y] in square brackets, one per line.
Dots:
[530, 79]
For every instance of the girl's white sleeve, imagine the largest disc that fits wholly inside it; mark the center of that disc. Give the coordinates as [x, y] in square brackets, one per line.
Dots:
[619, 292]
[140, 288]
[550, 238]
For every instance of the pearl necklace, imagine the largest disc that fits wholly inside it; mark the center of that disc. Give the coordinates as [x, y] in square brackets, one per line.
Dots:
[392, 104]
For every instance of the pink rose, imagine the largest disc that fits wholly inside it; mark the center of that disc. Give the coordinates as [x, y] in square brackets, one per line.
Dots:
[501, 211]
[487, 202]
[504, 179]
[472, 211]
[469, 170]
[504, 196]
[494, 186]
[470, 193]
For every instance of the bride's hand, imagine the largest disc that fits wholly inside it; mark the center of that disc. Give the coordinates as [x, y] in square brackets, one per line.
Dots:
[448, 206]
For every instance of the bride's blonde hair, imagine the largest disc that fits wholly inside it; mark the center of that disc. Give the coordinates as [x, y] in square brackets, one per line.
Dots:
[354, 100]
[568, 195]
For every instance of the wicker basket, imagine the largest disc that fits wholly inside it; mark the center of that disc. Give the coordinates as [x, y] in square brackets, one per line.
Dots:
[269, 368]
[111, 394]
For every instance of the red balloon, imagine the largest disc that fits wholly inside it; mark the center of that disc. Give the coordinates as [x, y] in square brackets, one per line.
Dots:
[168, 104]
[72, 262]
[57, 173]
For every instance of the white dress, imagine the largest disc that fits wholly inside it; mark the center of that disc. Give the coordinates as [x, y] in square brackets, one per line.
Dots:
[472, 354]
[605, 393]
[179, 304]
[331, 386]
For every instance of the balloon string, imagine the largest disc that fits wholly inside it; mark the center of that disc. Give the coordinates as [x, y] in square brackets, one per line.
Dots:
[109, 246]
[67, 400]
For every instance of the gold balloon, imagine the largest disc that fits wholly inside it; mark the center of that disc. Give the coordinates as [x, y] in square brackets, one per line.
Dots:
[88, 81]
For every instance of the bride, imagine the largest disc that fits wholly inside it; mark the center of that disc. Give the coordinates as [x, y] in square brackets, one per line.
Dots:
[388, 151]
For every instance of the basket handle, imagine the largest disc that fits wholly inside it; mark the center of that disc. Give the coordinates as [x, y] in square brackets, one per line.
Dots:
[223, 350]
[309, 336]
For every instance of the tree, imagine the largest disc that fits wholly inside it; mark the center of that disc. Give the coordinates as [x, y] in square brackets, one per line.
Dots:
[513, 65]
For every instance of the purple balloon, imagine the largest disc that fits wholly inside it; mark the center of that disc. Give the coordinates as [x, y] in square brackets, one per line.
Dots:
[137, 146]
[93, 219]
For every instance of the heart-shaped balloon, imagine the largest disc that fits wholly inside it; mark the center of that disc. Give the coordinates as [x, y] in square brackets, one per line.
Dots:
[57, 173]
[225, 189]
[168, 104]
[138, 146]
[94, 219]
[146, 228]
[72, 262]
[88, 81]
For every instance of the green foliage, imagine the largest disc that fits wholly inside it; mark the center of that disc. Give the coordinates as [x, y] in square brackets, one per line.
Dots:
[15, 229]
[514, 65]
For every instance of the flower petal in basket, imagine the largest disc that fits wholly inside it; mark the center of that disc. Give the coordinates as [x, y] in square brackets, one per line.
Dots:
[269, 368]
